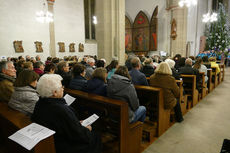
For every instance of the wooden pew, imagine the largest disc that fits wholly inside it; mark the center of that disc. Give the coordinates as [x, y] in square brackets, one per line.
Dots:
[183, 98]
[210, 83]
[152, 99]
[114, 118]
[222, 71]
[203, 85]
[214, 74]
[191, 91]
[11, 121]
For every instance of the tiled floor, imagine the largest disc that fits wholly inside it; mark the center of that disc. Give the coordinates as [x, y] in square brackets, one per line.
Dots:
[204, 127]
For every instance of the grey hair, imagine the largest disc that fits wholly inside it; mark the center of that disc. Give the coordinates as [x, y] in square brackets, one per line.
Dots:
[163, 68]
[49, 83]
[4, 65]
[170, 62]
[188, 61]
[90, 60]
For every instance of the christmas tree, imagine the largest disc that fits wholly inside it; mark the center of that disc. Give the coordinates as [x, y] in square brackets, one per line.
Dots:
[218, 33]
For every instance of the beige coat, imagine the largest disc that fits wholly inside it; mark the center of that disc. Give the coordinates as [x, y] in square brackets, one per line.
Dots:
[6, 90]
[170, 89]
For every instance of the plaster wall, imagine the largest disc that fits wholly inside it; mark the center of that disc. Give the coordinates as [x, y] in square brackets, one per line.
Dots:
[18, 22]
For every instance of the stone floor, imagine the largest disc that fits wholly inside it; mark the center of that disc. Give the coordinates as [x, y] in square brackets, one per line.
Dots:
[204, 127]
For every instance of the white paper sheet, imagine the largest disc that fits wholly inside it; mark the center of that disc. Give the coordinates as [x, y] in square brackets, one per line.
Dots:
[30, 135]
[69, 99]
[90, 120]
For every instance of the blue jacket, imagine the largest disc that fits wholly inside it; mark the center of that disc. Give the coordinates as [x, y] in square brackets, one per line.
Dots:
[96, 86]
[138, 78]
[78, 83]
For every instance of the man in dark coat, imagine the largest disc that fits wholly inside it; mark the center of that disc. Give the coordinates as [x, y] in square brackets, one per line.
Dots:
[138, 78]
[187, 69]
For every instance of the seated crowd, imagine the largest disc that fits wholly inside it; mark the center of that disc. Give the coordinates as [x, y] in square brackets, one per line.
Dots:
[36, 89]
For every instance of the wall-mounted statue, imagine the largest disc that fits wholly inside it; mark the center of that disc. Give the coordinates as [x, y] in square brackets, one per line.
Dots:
[18, 46]
[38, 46]
[71, 47]
[61, 46]
[81, 47]
[173, 29]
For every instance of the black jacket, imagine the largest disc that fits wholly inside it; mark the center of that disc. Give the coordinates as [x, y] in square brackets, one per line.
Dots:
[187, 69]
[70, 136]
[96, 86]
[78, 83]
[148, 70]
[66, 78]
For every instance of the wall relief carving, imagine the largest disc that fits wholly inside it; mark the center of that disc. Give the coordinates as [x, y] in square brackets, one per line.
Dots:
[38, 46]
[81, 47]
[18, 46]
[71, 47]
[61, 46]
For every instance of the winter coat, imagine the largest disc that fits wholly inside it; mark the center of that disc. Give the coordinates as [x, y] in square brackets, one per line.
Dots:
[88, 72]
[215, 65]
[24, 99]
[70, 136]
[66, 78]
[170, 89]
[138, 78]
[121, 88]
[188, 70]
[78, 83]
[111, 73]
[38, 71]
[175, 74]
[148, 70]
[6, 87]
[96, 86]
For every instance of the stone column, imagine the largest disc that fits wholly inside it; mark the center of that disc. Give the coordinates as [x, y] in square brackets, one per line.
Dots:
[178, 46]
[110, 30]
[51, 30]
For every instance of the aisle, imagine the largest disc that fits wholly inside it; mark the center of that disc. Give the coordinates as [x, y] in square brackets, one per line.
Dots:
[204, 128]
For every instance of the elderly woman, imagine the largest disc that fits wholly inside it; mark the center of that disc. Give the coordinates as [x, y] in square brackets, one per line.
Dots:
[52, 111]
[120, 87]
[25, 96]
[171, 64]
[162, 78]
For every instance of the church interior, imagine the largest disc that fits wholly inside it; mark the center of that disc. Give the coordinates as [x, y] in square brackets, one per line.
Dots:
[153, 75]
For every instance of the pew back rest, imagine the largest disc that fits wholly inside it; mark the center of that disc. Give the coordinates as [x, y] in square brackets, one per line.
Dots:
[152, 99]
[11, 121]
[189, 82]
[115, 109]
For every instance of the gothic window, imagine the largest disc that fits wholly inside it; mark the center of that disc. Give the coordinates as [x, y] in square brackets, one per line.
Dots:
[90, 19]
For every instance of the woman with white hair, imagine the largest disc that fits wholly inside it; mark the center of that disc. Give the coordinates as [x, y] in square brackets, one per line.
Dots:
[52, 112]
[162, 78]
[171, 64]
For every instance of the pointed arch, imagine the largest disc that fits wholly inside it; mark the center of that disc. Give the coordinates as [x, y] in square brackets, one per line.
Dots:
[153, 30]
[141, 32]
[128, 34]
